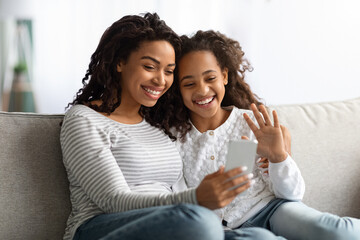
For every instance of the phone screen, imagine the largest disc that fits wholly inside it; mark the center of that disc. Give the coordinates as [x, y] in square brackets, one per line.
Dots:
[241, 153]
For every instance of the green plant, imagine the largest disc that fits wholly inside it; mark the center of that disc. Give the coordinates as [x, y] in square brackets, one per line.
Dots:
[20, 68]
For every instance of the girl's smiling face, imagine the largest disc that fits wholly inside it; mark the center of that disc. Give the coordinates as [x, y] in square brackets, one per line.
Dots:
[202, 85]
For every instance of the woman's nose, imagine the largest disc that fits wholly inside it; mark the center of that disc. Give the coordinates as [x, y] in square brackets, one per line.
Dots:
[160, 79]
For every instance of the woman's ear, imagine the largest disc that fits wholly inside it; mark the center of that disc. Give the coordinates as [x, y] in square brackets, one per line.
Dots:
[119, 66]
[225, 75]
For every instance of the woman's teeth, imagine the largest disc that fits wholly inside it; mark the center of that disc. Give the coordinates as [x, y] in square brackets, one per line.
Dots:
[152, 91]
[205, 101]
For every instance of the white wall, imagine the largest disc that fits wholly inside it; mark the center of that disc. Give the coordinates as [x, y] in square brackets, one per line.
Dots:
[301, 51]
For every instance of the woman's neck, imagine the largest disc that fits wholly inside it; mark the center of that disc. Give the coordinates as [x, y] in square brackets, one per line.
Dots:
[205, 124]
[124, 113]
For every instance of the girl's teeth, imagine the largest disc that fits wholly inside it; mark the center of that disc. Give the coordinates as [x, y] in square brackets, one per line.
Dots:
[152, 91]
[205, 101]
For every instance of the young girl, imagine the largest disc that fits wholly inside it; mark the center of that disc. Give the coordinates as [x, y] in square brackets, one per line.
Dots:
[123, 172]
[213, 108]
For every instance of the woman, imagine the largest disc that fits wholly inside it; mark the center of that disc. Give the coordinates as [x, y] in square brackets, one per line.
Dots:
[125, 174]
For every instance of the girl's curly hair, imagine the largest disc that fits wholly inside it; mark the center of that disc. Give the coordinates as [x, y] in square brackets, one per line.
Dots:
[102, 81]
[229, 55]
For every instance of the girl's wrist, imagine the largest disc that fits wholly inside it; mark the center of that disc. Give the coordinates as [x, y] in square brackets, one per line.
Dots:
[279, 157]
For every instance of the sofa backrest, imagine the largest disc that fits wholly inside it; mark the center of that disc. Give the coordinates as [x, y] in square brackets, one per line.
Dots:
[34, 191]
[34, 195]
[325, 145]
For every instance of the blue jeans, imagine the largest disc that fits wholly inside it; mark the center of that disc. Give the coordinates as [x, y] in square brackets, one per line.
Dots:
[295, 220]
[183, 221]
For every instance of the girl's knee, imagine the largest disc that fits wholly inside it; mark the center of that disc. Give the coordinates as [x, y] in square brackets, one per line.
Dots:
[251, 233]
[332, 227]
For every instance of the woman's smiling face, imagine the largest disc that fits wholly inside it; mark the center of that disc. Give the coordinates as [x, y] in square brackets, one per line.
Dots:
[202, 84]
[147, 74]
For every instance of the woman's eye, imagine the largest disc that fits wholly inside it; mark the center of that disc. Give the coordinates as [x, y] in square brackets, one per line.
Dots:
[169, 72]
[211, 78]
[149, 67]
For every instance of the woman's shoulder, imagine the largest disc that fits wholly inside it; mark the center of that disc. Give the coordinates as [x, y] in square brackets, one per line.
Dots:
[80, 110]
[81, 113]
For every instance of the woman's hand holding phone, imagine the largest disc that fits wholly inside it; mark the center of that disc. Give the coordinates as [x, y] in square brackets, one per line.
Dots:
[218, 189]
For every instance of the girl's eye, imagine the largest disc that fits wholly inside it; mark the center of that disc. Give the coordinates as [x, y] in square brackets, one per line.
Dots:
[211, 79]
[188, 84]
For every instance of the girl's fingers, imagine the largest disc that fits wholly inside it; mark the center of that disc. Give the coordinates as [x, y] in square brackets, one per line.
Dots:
[265, 165]
[250, 123]
[244, 138]
[276, 119]
[262, 160]
[257, 115]
[265, 115]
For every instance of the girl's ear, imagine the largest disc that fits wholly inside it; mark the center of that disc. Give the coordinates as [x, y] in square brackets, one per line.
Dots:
[225, 75]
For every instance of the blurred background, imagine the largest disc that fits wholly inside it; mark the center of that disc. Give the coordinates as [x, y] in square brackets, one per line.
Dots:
[301, 51]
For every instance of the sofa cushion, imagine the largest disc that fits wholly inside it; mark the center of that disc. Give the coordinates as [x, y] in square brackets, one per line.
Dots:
[325, 145]
[34, 195]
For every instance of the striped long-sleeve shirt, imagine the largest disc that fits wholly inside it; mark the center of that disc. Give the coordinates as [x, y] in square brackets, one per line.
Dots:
[114, 167]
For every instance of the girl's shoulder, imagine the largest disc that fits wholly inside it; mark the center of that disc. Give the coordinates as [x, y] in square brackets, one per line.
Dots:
[238, 113]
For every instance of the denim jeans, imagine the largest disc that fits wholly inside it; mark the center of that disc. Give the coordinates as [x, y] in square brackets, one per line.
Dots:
[257, 228]
[183, 221]
[295, 220]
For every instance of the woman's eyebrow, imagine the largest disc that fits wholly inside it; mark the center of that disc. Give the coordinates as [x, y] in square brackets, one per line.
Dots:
[156, 61]
[151, 58]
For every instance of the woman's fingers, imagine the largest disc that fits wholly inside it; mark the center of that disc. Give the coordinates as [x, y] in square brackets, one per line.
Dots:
[233, 173]
[231, 194]
[237, 181]
[218, 189]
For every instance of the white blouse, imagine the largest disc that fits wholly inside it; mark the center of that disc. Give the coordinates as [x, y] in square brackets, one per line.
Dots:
[204, 153]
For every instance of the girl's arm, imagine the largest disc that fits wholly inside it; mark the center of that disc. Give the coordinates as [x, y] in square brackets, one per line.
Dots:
[284, 174]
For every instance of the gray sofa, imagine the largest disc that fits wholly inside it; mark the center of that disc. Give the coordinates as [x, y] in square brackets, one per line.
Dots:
[34, 196]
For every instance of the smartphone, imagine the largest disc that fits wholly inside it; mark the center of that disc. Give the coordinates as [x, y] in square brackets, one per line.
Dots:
[241, 153]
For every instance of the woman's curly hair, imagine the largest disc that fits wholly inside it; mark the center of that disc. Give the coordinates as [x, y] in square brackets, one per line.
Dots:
[102, 81]
[229, 55]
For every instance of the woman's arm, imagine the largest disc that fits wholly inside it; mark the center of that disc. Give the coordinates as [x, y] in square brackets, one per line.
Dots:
[91, 165]
[93, 169]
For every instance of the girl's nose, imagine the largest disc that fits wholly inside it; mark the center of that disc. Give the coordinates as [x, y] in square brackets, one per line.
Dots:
[203, 89]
